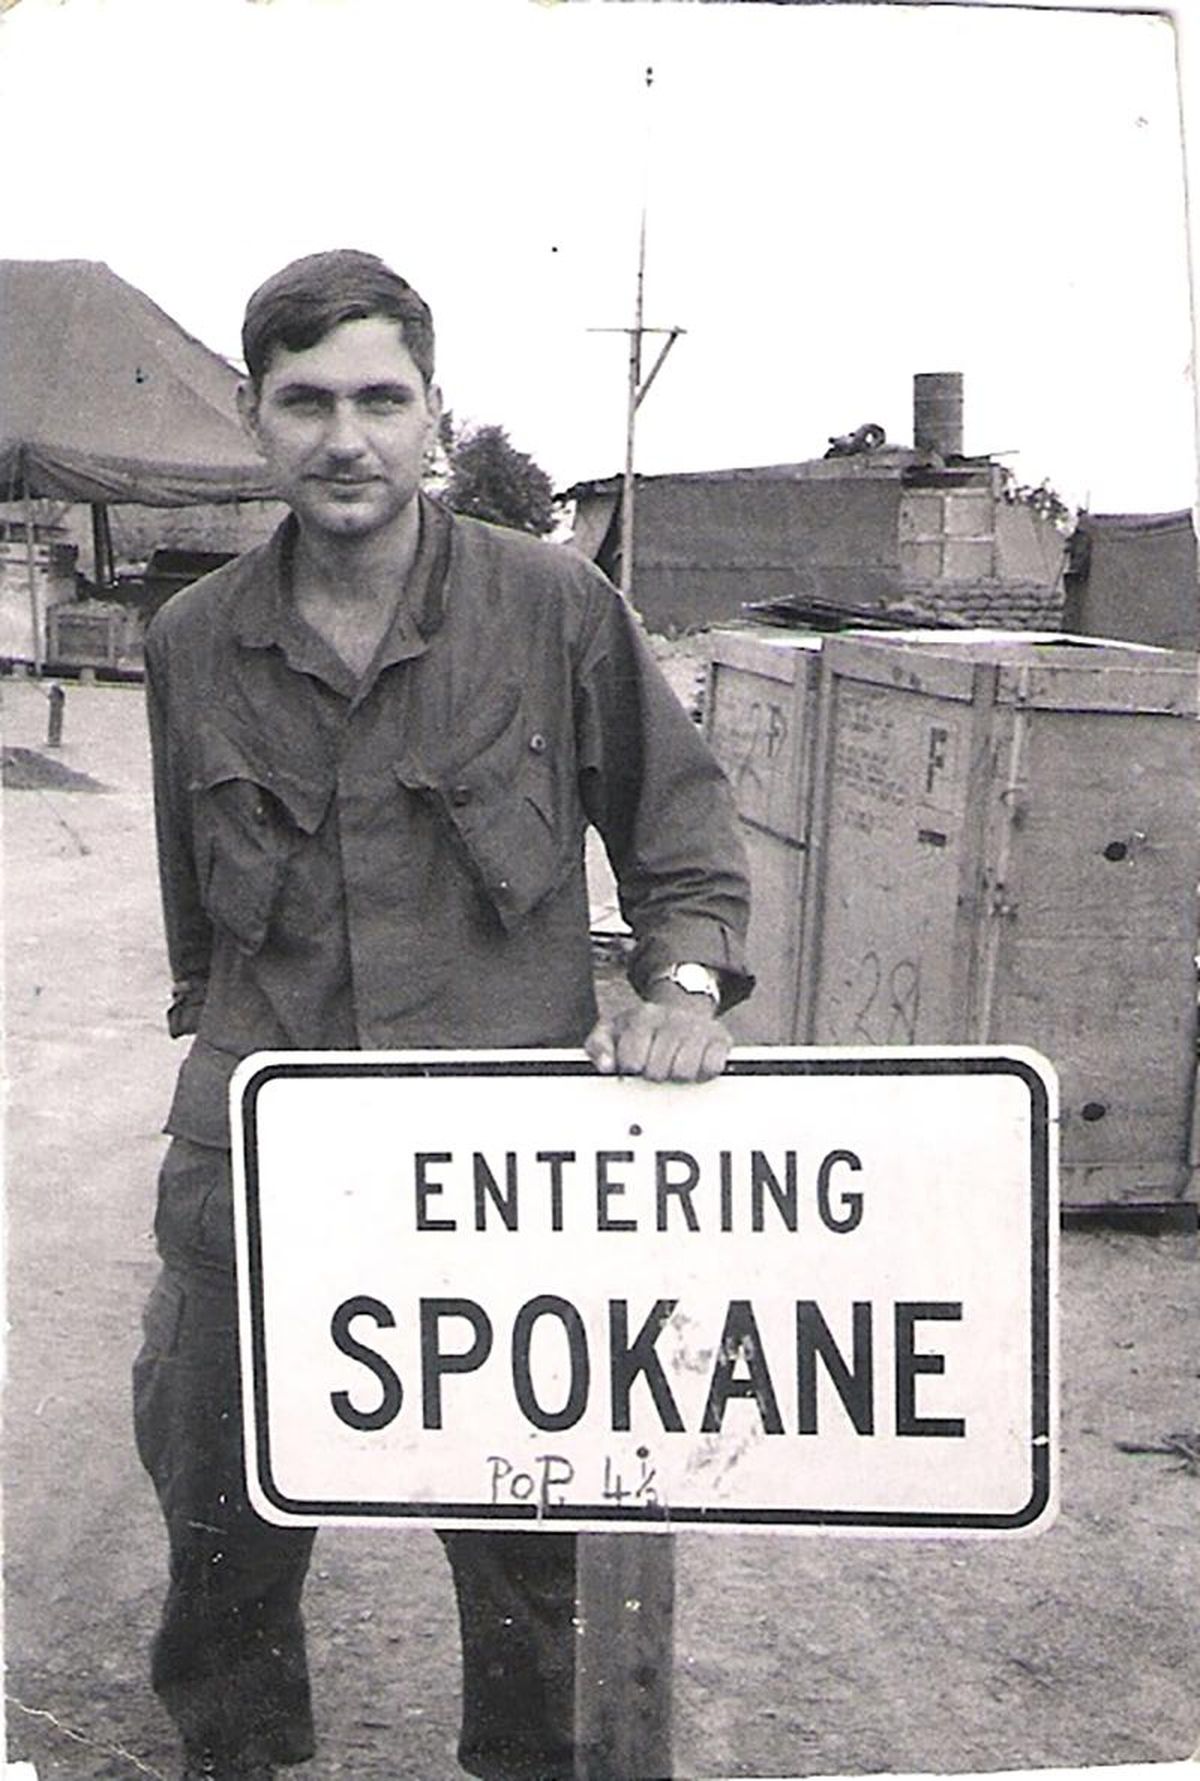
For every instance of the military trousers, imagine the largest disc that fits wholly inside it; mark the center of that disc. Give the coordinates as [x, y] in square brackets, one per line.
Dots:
[229, 1660]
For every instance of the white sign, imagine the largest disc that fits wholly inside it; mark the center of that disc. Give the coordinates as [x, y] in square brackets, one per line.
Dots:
[498, 1288]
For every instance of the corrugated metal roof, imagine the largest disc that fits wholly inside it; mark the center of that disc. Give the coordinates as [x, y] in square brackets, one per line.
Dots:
[1136, 522]
[887, 463]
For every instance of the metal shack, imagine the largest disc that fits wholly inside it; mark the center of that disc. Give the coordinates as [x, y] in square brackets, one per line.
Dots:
[869, 524]
[1134, 576]
[974, 837]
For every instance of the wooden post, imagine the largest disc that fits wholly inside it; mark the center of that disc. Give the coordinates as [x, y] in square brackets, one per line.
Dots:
[54, 717]
[628, 484]
[624, 1653]
[35, 612]
[102, 548]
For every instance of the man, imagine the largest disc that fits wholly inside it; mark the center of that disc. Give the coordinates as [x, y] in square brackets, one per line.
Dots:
[378, 741]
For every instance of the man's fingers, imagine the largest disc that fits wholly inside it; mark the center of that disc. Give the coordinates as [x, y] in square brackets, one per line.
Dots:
[675, 1053]
[601, 1047]
[716, 1054]
[696, 1057]
[659, 1045]
[620, 1046]
[635, 1046]
[669, 1048]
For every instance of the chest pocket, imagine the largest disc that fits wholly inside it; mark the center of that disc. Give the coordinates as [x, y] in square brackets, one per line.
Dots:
[499, 790]
[250, 813]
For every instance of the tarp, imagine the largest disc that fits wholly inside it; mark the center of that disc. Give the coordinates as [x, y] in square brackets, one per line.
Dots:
[104, 398]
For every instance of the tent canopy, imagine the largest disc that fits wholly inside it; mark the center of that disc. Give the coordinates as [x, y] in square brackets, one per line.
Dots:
[104, 398]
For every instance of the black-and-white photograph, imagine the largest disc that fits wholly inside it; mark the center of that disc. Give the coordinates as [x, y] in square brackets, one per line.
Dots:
[599, 646]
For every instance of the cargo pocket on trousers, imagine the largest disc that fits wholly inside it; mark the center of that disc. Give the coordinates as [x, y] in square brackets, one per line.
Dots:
[193, 1222]
[163, 1318]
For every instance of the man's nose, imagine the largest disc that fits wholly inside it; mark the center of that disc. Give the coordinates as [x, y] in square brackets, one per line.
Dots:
[343, 433]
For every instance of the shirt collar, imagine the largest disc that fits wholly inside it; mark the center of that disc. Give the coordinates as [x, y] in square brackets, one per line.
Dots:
[265, 617]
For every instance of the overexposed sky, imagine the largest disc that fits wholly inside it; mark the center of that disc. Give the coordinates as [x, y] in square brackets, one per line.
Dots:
[837, 196]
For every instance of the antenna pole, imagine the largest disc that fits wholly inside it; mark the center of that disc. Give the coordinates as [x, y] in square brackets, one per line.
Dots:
[636, 386]
[633, 398]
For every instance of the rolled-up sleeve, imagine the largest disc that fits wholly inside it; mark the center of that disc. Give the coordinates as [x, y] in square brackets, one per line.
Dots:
[188, 930]
[662, 805]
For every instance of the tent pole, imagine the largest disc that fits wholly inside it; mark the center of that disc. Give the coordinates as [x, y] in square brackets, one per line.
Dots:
[31, 575]
[102, 550]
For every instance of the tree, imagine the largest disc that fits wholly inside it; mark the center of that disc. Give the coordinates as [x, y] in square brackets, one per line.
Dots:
[490, 479]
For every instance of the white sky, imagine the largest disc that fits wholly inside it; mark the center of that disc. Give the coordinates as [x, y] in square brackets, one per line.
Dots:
[838, 196]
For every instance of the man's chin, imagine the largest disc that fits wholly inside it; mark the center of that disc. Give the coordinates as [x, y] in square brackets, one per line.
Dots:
[346, 519]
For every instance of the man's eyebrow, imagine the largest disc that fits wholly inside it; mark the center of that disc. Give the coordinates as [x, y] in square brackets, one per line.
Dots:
[298, 388]
[391, 387]
[385, 387]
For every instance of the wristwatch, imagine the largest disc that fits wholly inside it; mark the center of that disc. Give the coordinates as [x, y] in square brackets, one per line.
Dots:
[696, 980]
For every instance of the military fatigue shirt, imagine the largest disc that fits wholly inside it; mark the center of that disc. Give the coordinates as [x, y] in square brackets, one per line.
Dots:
[398, 860]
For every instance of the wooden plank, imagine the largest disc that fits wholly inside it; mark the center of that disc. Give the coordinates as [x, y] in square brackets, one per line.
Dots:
[1048, 671]
[1126, 1181]
[761, 708]
[624, 1654]
[775, 655]
[1095, 934]
[1166, 685]
[777, 870]
[968, 965]
[1117, 1018]
[758, 727]
[903, 663]
[892, 838]
[1109, 820]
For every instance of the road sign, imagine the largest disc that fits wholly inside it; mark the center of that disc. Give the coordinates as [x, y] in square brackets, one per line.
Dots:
[499, 1289]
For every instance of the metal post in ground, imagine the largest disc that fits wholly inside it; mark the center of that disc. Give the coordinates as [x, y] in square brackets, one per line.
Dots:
[54, 722]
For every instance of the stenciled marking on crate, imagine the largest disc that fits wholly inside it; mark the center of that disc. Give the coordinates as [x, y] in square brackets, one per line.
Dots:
[940, 783]
[885, 761]
[865, 758]
[882, 1002]
[748, 737]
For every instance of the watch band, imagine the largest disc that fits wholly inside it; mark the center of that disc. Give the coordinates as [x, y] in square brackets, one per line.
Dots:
[693, 979]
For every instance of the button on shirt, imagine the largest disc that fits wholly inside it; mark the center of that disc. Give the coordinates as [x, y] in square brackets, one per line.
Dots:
[398, 861]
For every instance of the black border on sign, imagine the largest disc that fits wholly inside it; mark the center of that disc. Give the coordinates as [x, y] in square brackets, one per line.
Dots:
[525, 1516]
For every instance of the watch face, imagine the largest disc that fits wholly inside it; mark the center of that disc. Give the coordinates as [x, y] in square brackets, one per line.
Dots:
[697, 979]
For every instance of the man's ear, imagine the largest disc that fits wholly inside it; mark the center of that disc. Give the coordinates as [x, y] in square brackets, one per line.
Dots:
[434, 403]
[247, 407]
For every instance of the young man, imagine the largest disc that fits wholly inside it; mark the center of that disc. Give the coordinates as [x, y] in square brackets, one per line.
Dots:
[378, 741]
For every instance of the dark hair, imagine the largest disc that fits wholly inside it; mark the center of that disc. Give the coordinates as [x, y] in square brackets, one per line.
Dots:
[299, 305]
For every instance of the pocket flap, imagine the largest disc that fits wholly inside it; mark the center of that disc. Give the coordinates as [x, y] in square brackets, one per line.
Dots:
[516, 852]
[492, 780]
[227, 753]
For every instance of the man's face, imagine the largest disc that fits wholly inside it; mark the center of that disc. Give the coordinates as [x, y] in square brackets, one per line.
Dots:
[344, 426]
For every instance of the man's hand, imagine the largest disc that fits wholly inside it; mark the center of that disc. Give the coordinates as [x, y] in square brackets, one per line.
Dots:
[672, 1038]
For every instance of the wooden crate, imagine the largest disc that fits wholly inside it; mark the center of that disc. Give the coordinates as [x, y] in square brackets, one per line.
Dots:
[760, 718]
[89, 633]
[1004, 848]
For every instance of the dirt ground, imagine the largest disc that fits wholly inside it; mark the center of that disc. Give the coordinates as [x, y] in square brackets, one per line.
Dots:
[794, 1656]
